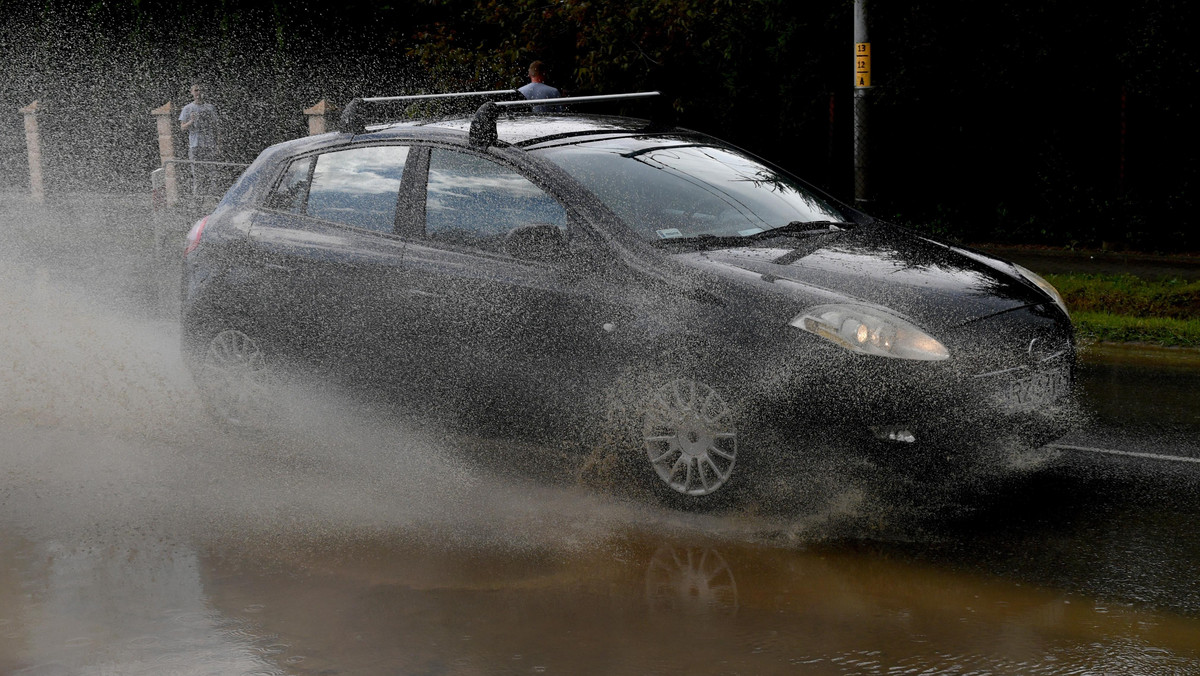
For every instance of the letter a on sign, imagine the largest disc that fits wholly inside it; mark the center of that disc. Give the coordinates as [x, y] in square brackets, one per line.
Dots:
[862, 65]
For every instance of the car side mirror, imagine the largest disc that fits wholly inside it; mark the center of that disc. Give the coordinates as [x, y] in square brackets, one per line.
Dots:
[536, 242]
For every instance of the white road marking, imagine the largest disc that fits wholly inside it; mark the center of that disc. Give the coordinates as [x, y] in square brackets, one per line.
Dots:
[1128, 454]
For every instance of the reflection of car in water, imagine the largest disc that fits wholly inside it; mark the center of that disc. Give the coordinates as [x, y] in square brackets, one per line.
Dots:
[691, 580]
[644, 605]
[553, 274]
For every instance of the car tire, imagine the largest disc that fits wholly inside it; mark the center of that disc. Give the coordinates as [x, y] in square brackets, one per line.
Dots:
[673, 436]
[239, 378]
[779, 467]
[690, 436]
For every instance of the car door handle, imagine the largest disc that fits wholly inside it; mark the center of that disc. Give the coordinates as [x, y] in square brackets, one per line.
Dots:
[278, 268]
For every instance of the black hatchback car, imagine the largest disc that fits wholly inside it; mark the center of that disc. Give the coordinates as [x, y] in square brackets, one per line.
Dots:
[560, 275]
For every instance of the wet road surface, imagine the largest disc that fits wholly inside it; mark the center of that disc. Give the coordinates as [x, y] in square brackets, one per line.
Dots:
[136, 537]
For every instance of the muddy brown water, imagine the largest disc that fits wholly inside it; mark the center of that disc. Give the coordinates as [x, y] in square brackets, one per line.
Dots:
[136, 537]
[115, 560]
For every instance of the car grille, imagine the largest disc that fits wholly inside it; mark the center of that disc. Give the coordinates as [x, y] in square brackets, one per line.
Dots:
[1022, 363]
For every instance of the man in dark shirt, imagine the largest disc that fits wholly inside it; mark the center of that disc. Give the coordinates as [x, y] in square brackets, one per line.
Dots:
[538, 89]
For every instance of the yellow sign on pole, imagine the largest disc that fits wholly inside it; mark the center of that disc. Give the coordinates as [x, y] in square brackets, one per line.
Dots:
[862, 65]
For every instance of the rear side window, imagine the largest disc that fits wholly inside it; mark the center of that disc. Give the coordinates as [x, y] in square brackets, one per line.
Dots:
[357, 187]
[475, 201]
[293, 188]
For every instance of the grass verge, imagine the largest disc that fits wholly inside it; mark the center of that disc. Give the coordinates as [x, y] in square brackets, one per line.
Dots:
[1101, 327]
[1124, 308]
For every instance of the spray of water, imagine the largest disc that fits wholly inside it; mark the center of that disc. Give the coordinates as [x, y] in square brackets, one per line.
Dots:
[102, 427]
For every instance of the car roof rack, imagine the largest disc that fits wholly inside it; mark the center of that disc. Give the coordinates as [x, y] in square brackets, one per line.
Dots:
[483, 125]
[354, 118]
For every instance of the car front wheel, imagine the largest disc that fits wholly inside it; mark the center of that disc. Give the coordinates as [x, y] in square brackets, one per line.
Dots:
[670, 434]
[690, 437]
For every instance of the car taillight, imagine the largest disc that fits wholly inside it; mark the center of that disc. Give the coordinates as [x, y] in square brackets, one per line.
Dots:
[193, 236]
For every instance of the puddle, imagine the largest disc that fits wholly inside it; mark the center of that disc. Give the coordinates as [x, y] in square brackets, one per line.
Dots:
[636, 603]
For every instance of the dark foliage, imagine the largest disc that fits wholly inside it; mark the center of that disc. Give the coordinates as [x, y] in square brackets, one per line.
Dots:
[1054, 122]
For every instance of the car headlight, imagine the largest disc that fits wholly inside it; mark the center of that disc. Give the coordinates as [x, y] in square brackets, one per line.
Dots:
[870, 331]
[1044, 286]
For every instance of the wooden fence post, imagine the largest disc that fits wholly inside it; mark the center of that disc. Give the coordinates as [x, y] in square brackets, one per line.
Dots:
[165, 116]
[33, 142]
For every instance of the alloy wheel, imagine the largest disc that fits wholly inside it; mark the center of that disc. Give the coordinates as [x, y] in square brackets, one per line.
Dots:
[690, 437]
[237, 382]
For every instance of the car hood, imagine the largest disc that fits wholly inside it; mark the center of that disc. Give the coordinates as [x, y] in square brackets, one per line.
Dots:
[936, 285]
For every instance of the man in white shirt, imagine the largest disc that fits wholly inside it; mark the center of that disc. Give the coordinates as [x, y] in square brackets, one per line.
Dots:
[199, 120]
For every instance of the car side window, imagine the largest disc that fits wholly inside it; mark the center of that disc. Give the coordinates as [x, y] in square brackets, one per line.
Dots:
[359, 187]
[292, 190]
[474, 201]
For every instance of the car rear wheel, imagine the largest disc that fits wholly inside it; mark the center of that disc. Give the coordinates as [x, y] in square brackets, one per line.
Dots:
[237, 380]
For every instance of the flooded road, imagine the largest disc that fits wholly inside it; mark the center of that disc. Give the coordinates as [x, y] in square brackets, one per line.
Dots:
[137, 537]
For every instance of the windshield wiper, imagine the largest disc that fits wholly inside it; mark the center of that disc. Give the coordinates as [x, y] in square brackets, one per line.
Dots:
[795, 229]
[706, 241]
[804, 228]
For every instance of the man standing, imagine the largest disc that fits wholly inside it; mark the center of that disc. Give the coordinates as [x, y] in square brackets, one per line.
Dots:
[199, 120]
[538, 89]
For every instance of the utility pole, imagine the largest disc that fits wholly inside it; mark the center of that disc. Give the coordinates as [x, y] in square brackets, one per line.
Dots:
[862, 92]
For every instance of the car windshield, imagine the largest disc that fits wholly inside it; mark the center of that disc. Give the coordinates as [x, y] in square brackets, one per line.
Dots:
[670, 188]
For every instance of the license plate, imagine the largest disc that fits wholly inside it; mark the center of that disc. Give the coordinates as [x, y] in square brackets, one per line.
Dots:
[1037, 389]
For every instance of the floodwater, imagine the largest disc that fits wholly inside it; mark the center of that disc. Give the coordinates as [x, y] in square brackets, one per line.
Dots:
[137, 537]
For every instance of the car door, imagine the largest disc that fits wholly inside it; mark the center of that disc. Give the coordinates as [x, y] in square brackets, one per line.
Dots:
[516, 339]
[330, 256]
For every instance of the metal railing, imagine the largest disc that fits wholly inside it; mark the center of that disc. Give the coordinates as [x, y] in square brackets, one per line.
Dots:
[199, 179]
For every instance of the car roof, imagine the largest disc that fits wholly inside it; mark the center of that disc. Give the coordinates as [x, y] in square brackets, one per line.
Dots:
[527, 130]
[505, 119]
[521, 130]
